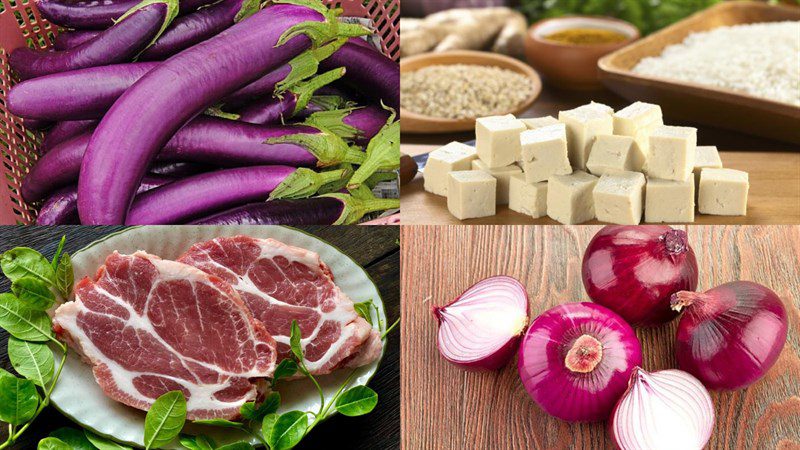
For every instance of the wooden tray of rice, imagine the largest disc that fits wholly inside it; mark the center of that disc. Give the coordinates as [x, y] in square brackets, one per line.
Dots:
[735, 66]
[446, 92]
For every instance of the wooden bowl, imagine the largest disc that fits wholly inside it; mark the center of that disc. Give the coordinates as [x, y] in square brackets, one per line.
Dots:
[411, 122]
[573, 66]
[704, 104]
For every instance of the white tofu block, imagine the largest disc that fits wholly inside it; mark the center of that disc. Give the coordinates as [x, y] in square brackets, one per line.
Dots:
[539, 122]
[706, 157]
[583, 124]
[619, 198]
[672, 153]
[497, 139]
[723, 192]
[569, 197]
[452, 157]
[544, 153]
[502, 174]
[527, 198]
[669, 201]
[612, 154]
[471, 193]
[638, 120]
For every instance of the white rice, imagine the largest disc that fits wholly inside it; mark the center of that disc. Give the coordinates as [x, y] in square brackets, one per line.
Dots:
[761, 59]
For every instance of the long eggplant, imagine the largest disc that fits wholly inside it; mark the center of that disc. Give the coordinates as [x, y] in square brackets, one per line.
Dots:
[97, 15]
[63, 131]
[370, 71]
[73, 38]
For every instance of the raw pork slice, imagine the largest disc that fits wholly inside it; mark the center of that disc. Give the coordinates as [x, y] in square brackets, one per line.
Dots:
[281, 283]
[148, 326]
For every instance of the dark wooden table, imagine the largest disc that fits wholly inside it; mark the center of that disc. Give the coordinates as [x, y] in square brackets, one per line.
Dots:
[374, 248]
[445, 407]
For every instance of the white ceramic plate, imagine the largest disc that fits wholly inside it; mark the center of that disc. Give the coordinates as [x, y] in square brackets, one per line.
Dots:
[78, 396]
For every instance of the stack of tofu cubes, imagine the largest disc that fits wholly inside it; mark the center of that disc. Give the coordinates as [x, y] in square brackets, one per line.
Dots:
[589, 163]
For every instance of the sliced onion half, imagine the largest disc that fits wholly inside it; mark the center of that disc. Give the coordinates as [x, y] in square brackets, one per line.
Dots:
[481, 328]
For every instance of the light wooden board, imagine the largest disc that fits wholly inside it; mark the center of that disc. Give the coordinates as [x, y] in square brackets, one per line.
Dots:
[444, 407]
[774, 196]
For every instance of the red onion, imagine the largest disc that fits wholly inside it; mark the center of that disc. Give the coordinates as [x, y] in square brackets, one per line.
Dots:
[480, 329]
[731, 335]
[575, 360]
[663, 410]
[633, 270]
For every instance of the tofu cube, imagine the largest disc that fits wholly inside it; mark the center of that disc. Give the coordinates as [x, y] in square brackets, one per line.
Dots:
[706, 157]
[544, 153]
[569, 197]
[471, 193]
[450, 158]
[583, 124]
[619, 198]
[502, 174]
[497, 139]
[669, 201]
[672, 153]
[638, 121]
[539, 122]
[527, 198]
[723, 192]
[612, 154]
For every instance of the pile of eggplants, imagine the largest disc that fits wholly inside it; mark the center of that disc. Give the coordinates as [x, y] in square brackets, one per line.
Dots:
[207, 111]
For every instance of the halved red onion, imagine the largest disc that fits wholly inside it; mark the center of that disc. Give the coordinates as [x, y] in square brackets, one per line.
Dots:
[575, 360]
[664, 410]
[633, 270]
[730, 336]
[480, 329]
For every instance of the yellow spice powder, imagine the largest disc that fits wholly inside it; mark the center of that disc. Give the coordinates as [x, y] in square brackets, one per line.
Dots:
[586, 36]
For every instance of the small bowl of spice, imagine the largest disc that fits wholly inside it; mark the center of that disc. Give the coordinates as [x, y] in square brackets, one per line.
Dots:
[566, 49]
[446, 92]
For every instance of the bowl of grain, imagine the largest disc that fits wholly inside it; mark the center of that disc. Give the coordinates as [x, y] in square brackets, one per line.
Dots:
[566, 49]
[446, 92]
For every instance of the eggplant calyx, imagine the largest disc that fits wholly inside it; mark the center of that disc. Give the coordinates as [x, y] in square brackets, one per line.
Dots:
[355, 208]
[305, 65]
[172, 12]
[328, 148]
[248, 8]
[305, 90]
[304, 183]
[383, 153]
[333, 121]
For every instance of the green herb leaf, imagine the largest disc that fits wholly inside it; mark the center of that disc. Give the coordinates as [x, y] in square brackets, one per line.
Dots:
[31, 360]
[60, 248]
[26, 262]
[34, 293]
[22, 322]
[65, 278]
[267, 425]
[294, 340]
[197, 442]
[104, 443]
[364, 309]
[237, 446]
[219, 423]
[288, 430]
[76, 439]
[270, 404]
[357, 401]
[286, 368]
[165, 419]
[18, 399]
[51, 443]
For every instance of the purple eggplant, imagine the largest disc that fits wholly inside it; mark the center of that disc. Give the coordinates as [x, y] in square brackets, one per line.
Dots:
[135, 30]
[280, 108]
[204, 194]
[357, 124]
[178, 169]
[205, 140]
[63, 131]
[146, 116]
[96, 14]
[73, 38]
[77, 94]
[62, 207]
[370, 71]
[332, 209]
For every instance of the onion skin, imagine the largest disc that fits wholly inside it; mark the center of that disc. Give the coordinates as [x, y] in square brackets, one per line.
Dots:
[731, 335]
[558, 390]
[664, 410]
[496, 358]
[633, 270]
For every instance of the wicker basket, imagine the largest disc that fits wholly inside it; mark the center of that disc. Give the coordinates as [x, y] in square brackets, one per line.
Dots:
[21, 24]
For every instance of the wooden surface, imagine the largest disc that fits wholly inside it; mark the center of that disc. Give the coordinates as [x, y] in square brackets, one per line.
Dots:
[444, 407]
[374, 248]
[774, 169]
